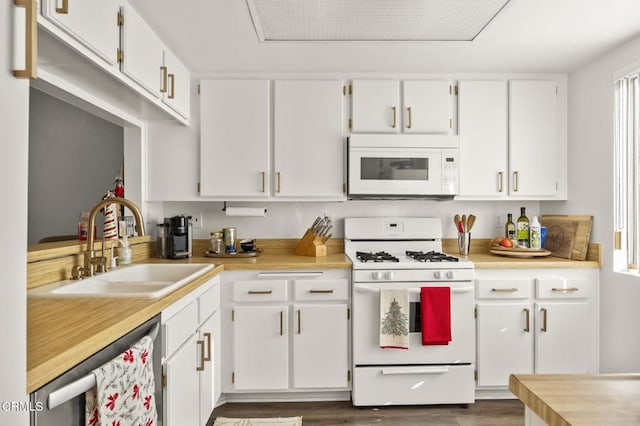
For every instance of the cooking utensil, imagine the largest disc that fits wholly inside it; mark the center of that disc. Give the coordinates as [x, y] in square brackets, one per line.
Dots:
[464, 223]
[470, 221]
[456, 221]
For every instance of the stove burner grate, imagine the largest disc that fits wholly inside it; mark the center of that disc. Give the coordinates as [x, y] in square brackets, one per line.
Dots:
[380, 256]
[431, 256]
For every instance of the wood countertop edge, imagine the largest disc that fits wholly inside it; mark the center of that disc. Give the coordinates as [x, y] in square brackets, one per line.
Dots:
[535, 403]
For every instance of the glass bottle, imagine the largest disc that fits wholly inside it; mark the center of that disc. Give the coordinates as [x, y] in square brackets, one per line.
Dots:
[510, 229]
[523, 229]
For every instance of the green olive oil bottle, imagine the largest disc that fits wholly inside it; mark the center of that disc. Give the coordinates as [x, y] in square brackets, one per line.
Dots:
[510, 230]
[523, 229]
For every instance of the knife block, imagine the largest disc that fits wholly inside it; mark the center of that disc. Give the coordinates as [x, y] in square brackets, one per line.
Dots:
[311, 245]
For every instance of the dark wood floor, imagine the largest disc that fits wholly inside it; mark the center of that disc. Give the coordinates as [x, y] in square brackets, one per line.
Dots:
[482, 413]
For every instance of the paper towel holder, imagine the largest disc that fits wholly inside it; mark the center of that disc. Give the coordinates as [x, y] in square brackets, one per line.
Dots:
[263, 209]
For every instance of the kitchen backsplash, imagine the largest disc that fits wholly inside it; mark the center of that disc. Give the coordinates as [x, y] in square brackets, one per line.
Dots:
[290, 220]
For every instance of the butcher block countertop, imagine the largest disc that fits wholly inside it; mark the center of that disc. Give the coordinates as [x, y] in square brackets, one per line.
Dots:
[567, 399]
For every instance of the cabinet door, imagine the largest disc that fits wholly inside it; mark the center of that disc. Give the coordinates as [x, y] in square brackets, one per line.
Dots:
[375, 106]
[142, 52]
[261, 349]
[178, 84]
[308, 140]
[482, 122]
[320, 346]
[427, 106]
[181, 393]
[533, 137]
[91, 22]
[234, 138]
[562, 332]
[505, 341]
[210, 366]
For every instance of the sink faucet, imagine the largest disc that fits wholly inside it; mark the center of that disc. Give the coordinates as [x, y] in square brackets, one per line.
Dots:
[90, 260]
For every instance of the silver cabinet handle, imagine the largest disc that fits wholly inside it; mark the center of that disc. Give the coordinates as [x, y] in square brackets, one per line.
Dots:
[515, 181]
[321, 291]
[281, 322]
[163, 88]
[259, 291]
[172, 81]
[526, 320]
[278, 181]
[207, 336]
[299, 328]
[504, 290]
[409, 122]
[544, 319]
[262, 188]
[500, 180]
[394, 110]
[64, 10]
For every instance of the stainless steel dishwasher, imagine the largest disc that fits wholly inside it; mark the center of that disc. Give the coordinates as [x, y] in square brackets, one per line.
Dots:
[68, 389]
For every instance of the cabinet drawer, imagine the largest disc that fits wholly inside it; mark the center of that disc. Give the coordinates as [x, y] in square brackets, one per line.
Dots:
[504, 289]
[208, 303]
[563, 288]
[308, 290]
[179, 327]
[260, 291]
[447, 384]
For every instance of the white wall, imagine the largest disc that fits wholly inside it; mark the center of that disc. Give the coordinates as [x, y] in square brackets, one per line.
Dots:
[591, 101]
[14, 115]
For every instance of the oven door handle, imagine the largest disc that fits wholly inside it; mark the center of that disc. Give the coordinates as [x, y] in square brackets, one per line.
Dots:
[395, 371]
[364, 288]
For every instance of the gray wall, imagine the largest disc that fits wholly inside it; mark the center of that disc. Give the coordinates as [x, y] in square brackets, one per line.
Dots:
[74, 158]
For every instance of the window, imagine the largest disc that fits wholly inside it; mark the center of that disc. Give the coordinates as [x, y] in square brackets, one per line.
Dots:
[626, 169]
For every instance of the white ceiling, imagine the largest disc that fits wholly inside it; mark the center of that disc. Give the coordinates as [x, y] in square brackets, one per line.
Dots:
[213, 36]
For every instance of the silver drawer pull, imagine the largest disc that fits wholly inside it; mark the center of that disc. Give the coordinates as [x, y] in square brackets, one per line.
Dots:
[565, 290]
[260, 291]
[504, 290]
[321, 291]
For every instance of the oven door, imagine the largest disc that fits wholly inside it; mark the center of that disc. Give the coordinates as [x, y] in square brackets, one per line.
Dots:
[402, 171]
[366, 327]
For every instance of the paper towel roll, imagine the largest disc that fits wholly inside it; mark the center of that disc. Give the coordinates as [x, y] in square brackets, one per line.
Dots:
[245, 211]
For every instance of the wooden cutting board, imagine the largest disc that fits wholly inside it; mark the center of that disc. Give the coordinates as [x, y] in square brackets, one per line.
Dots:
[568, 235]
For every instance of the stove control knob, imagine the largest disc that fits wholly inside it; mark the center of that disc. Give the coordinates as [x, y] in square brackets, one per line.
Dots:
[377, 275]
[437, 275]
[450, 275]
[389, 275]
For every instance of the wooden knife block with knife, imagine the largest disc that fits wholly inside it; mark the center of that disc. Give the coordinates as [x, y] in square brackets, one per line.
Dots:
[313, 241]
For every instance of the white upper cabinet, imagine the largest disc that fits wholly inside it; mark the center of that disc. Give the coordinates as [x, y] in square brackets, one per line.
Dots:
[427, 106]
[142, 52]
[422, 106]
[308, 139]
[147, 61]
[482, 124]
[533, 137]
[91, 22]
[234, 138]
[511, 143]
[375, 106]
[177, 85]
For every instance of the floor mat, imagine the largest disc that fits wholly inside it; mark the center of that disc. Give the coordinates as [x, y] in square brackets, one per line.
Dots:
[276, 421]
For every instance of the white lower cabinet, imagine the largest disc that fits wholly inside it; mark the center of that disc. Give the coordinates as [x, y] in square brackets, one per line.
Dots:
[190, 356]
[535, 321]
[285, 331]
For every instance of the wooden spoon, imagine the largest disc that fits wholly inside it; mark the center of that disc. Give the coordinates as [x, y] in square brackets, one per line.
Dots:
[456, 221]
[464, 223]
[470, 221]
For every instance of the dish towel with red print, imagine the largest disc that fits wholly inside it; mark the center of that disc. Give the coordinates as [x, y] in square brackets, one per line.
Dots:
[435, 309]
[125, 390]
[394, 318]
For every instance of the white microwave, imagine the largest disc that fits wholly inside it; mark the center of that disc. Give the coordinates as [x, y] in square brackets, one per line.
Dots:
[402, 166]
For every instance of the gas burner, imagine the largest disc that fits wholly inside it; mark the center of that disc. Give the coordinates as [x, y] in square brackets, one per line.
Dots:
[431, 256]
[380, 256]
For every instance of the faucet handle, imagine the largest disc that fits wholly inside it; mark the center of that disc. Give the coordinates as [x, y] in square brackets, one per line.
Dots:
[77, 272]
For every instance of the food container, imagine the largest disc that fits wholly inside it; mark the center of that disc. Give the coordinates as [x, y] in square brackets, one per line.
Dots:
[229, 235]
[216, 244]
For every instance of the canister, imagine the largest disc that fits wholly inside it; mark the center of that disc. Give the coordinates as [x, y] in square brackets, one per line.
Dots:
[217, 243]
[229, 240]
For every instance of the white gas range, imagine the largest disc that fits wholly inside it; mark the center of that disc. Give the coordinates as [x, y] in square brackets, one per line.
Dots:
[393, 252]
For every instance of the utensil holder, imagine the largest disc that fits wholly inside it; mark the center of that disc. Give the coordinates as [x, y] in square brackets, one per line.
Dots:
[464, 241]
[311, 245]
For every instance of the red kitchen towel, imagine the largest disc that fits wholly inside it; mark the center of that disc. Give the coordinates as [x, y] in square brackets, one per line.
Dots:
[435, 305]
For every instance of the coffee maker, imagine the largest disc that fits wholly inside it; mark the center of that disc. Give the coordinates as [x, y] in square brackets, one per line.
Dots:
[178, 237]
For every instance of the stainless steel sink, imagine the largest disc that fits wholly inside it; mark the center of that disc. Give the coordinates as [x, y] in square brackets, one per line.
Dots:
[143, 280]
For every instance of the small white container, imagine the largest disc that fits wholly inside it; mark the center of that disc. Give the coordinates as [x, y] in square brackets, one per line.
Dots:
[535, 239]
